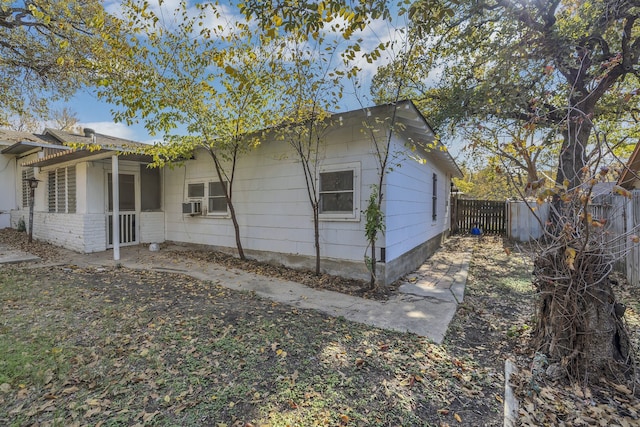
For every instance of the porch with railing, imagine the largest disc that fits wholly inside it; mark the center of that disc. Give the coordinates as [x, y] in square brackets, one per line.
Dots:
[127, 227]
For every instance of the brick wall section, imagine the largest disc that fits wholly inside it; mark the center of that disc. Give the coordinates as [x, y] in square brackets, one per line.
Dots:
[80, 233]
[151, 227]
[95, 232]
[59, 229]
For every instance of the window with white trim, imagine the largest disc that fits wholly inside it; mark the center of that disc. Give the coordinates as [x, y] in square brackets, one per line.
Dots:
[211, 195]
[338, 186]
[434, 202]
[61, 188]
[195, 190]
[217, 197]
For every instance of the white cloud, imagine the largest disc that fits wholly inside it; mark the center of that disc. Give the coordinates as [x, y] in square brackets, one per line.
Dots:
[118, 130]
[381, 32]
[170, 15]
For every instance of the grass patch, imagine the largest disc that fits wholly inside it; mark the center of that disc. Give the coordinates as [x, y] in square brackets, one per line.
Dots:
[34, 362]
[123, 347]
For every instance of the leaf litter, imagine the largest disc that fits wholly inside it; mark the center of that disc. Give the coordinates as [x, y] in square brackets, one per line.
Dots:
[156, 348]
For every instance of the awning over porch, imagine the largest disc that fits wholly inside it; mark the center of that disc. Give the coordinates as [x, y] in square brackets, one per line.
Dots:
[90, 146]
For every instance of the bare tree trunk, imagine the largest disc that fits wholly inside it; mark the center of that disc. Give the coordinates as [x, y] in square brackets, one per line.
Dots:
[372, 280]
[236, 228]
[316, 231]
[227, 194]
[572, 154]
[579, 322]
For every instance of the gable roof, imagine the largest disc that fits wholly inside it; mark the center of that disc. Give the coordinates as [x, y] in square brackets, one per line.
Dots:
[413, 126]
[92, 144]
[416, 126]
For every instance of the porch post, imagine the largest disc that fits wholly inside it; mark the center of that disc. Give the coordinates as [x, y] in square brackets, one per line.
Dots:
[115, 186]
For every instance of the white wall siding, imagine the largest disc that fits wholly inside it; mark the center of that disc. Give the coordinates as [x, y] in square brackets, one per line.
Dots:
[271, 201]
[409, 217]
[8, 188]
[151, 227]
[95, 191]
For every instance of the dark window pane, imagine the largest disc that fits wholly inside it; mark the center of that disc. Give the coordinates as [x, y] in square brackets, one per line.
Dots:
[217, 189]
[336, 202]
[126, 192]
[217, 204]
[26, 189]
[434, 204]
[336, 181]
[71, 194]
[195, 190]
[52, 191]
[62, 189]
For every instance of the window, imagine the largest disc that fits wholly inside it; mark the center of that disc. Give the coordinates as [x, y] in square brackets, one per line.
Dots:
[150, 194]
[26, 190]
[126, 192]
[195, 190]
[71, 189]
[61, 185]
[217, 198]
[434, 204]
[338, 191]
[61, 189]
[211, 195]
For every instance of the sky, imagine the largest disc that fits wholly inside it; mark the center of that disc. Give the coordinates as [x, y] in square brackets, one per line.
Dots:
[96, 114]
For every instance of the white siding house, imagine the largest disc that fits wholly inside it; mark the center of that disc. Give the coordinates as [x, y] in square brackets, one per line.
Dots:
[269, 195]
[275, 216]
[15, 148]
[71, 202]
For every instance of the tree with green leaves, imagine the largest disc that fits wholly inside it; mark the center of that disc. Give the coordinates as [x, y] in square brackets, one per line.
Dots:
[312, 20]
[401, 48]
[489, 182]
[567, 67]
[215, 80]
[48, 50]
[311, 87]
[561, 65]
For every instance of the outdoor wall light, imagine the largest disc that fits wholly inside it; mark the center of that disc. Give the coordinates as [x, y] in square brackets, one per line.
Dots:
[33, 183]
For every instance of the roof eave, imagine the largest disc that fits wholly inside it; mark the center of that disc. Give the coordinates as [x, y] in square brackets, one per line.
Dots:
[24, 146]
[87, 155]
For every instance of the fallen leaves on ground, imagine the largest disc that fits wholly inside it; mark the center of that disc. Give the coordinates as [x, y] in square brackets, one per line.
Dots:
[93, 345]
[141, 347]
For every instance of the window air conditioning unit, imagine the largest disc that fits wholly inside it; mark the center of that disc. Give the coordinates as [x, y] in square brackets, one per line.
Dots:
[192, 208]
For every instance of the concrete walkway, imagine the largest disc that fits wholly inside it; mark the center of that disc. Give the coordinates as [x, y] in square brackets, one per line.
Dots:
[9, 255]
[424, 305]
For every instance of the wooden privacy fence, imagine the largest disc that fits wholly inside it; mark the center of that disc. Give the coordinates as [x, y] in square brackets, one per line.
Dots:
[631, 219]
[525, 222]
[489, 215]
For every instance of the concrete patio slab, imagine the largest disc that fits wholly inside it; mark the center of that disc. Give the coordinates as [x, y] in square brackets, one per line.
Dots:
[11, 256]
